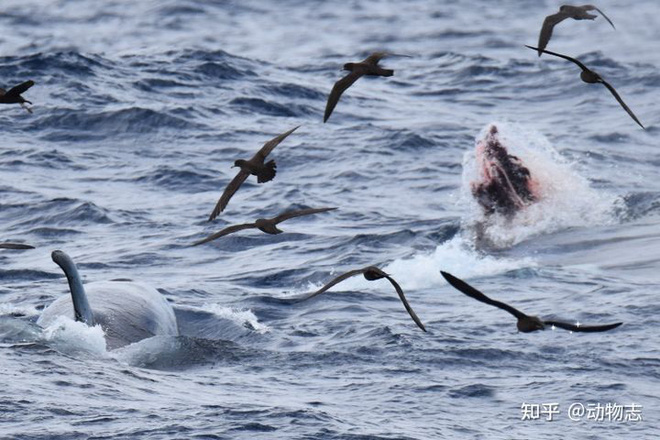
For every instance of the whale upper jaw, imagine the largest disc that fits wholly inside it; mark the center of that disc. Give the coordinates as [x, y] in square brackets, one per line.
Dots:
[505, 185]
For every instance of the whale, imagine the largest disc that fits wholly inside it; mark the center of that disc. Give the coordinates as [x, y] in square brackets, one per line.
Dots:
[504, 185]
[127, 311]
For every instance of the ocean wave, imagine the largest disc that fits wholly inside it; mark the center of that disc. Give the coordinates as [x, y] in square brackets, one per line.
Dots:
[66, 212]
[26, 275]
[64, 64]
[96, 125]
[272, 108]
[186, 180]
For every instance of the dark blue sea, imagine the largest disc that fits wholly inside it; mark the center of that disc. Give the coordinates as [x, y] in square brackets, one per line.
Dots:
[141, 108]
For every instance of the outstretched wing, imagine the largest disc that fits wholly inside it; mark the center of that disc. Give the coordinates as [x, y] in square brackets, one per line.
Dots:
[339, 88]
[474, 293]
[228, 193]
[546, 30]
[17, 90]
[292, 214]
[228, 230]
[411, 312]
[375, 57]
[592, 7]
[15, 246]
[332, 283]
[566, 57]
[271, 144]
[582, 328]
[623, 104]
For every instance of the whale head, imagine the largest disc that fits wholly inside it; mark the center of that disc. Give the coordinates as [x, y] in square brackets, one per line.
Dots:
[504, 185]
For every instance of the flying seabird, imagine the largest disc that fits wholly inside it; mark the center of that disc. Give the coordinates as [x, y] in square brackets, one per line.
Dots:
[368, 66]
[566, 11]
[267, 225]
[526, 323]
[370, 273]
[15, 246]
[589, 76]
[255, 166]
[13, 96]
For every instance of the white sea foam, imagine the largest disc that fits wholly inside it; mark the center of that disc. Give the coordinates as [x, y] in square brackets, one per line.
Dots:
[422, 270]
[240, 316]
[23, 310]
[566, 198]
[71, 336]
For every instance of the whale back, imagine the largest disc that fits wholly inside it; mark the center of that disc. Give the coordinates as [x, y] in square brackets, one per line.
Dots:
[128, 312]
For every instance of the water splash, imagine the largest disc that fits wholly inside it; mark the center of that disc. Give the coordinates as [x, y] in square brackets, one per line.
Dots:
[74, 337]
[565, 198]
[422, 270]
[243, 317]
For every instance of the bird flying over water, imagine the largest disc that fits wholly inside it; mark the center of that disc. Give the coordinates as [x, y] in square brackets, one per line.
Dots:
[526, 323]
[267, 225]
[13, 95]
[370, 273]
[255, 166]
[369, 66]
[566, 11]
[589, 76]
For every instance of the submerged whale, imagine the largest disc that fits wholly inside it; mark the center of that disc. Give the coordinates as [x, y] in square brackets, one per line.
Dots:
[504, 185]
[127, 312]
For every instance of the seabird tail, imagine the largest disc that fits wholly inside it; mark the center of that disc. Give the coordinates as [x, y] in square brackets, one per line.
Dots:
[268, 173]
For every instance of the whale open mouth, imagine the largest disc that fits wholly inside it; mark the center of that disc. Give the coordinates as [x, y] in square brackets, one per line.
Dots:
[505, 185]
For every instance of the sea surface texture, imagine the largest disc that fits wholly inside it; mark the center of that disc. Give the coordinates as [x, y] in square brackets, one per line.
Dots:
[141, 109]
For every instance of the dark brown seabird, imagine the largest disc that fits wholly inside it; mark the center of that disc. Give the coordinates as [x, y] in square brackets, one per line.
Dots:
[255, 166]
[267, 225]
[15, 246]
[526, 323]
[566, 11]
[589, 76]
[13, 96]
[370, 273]
[369, 66]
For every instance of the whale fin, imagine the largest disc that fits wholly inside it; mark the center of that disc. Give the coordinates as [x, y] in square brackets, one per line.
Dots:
[81, 308]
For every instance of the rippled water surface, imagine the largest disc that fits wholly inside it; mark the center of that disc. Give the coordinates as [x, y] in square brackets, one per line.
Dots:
[141, 108]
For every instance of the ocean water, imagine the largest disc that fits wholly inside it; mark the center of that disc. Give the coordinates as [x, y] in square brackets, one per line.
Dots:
[140, 109]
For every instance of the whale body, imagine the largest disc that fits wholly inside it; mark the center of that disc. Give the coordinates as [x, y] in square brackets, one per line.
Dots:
[126, 311]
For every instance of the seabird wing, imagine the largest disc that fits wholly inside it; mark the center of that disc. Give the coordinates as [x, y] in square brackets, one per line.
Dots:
[474, 293]
[623, 104]
[15, 246]
[337, 90]
[228, 193]
[228, 230]
[409, 309]
[546, 30]
[292, 214]
[375, 57]
[592, 8]
[582, 328]
[332, 283]
[271, 144]
[22, 87]
[566, 57]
